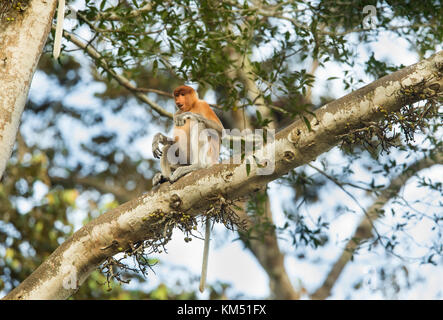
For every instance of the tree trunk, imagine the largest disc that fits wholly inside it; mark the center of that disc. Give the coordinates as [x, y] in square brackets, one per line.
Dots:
[21, 44]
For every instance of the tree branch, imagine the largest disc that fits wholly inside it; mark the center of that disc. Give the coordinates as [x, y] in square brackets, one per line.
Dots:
[153, 215]
[278, 14]
[112, 16]
[366, 226]
[94, 54]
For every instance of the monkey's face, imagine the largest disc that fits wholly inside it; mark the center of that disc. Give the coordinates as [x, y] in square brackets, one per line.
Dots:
[185, 98]
[180, 100]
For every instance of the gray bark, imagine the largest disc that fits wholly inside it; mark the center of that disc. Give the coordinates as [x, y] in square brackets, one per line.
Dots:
[21, 44]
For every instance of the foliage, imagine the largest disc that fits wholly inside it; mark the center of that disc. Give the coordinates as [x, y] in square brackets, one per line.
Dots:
[9, 9]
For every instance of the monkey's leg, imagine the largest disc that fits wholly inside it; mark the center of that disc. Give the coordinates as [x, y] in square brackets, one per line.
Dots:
[180, 119]
[158, 179]
[184, 170]
[205, 256]
[165, 166]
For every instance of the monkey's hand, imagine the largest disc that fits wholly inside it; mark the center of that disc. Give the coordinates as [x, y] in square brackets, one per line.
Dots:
[180, 119]
[158, 138]
[158, 179]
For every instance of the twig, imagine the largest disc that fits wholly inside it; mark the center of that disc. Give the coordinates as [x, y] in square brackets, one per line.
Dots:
[94, 54]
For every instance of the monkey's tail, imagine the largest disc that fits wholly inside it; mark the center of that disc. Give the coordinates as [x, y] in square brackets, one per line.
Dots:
[205, 255]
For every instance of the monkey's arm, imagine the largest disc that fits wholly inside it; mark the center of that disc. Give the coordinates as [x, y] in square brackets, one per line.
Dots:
[160, 139]
[180, 119]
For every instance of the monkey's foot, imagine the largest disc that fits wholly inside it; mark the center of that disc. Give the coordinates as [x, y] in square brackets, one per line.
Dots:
[158, 179]
[182, 171]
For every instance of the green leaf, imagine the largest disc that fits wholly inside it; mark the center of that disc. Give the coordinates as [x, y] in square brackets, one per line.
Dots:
[259, 117]
[308, 124]
[154, 68]
[102, 4]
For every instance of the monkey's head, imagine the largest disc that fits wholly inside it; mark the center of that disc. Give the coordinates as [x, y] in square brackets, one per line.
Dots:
[185, 98]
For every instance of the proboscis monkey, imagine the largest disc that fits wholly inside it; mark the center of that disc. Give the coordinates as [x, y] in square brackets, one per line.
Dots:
[196, 137]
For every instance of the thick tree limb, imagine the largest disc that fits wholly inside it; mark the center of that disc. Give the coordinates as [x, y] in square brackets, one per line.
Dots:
[21, 44]
[365, 228]
[151, 216]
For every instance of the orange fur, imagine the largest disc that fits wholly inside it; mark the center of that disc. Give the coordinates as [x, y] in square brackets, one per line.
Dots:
[186, 100]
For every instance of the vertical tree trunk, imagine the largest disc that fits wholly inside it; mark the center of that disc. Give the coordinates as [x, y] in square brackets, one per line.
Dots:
[21, 44]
